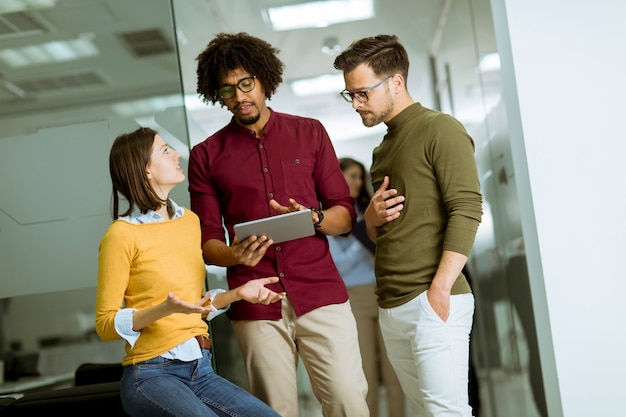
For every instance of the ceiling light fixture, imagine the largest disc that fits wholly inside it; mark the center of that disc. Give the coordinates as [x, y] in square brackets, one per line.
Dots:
[322, 84]
[10, 6]
[45, 53]
[489, 62]
[318, 14]
[157, 104]
[331, 46]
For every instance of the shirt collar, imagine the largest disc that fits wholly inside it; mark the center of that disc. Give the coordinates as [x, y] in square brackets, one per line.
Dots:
[249, 132]
[137, 217]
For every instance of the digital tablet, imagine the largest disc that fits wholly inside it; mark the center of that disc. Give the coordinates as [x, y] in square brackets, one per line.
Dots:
[281, 228]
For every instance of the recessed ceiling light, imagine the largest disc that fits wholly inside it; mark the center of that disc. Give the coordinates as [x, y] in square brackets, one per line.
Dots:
[489, 62]
[331, 46]
[319, 14]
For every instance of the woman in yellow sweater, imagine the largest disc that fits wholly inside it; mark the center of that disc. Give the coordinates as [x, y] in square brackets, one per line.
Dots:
[151, 279]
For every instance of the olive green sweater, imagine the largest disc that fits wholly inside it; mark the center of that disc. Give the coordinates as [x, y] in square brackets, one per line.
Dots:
[138, 265]
[429, 158]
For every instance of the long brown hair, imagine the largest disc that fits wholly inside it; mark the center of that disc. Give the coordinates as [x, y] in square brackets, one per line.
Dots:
[364, 197]
[128, 160]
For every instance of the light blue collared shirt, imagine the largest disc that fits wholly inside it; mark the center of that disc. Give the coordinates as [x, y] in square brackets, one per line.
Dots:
[188, 350]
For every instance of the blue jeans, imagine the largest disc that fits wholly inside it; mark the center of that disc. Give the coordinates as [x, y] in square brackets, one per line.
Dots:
[165, 387]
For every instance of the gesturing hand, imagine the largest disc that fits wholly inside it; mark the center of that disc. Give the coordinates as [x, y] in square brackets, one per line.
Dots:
[384, 206]
[176, 305]
[293, 206]
[256, 292]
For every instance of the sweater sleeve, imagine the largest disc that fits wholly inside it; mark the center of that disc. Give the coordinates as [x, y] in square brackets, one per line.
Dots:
[455, 167]
[114, 262]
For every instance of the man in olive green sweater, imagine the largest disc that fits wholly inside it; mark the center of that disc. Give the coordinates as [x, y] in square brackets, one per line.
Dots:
[424, 217]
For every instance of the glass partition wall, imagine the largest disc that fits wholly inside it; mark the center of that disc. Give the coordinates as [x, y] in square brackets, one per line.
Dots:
[506, 368]
[73, 75]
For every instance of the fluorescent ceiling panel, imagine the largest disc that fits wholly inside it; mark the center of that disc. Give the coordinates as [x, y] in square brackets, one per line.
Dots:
[45, 53]
[319, 14]
[7, 6]
[147, 106]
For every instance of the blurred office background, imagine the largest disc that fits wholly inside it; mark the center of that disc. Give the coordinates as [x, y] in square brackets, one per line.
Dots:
[538, 84]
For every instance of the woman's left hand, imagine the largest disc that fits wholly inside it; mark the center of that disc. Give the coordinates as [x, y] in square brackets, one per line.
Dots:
[176, 305]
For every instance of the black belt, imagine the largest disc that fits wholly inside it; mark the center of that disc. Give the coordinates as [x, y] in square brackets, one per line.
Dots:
[204, 342]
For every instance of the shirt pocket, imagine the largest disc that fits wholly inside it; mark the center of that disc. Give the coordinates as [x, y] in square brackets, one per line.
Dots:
[298, 177]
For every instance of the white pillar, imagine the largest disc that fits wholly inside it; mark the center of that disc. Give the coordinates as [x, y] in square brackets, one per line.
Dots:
[564, 69]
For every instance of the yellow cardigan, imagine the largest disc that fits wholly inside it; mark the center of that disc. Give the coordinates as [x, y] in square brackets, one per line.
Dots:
[138, 265]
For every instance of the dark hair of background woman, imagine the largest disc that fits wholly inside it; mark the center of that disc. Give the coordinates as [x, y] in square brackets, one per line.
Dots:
[364, 197]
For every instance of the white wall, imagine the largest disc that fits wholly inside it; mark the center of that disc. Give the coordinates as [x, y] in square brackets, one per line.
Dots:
[564, 66]
[359, 149]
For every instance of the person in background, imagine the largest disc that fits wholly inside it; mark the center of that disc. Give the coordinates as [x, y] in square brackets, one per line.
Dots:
[266, 163]
[354, 257]
[423, 216]
[150, 291]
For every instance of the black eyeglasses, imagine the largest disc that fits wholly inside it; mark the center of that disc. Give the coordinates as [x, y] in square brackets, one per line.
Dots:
[245, 85]
[360, 96]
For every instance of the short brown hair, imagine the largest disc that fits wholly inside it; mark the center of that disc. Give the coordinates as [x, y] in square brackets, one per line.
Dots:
[384, 54]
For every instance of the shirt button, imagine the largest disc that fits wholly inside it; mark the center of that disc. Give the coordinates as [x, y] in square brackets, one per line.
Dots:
[260, 146]
[297, 161]
[265, 170]
[282, 274]
[277, 248]
[271, 195]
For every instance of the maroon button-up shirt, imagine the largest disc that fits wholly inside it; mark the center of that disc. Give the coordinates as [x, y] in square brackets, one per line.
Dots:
[232, 177]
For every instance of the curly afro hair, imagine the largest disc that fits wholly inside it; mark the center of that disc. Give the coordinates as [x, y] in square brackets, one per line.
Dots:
[228, 52]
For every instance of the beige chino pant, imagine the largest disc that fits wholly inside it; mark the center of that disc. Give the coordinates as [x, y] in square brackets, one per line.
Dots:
[327, 342]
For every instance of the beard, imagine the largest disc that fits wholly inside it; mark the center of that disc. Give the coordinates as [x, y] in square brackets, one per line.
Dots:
[246, 119]
[249, 120]
[373, 118]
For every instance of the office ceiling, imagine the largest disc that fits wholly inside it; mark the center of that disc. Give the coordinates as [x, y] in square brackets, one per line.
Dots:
[137, 58]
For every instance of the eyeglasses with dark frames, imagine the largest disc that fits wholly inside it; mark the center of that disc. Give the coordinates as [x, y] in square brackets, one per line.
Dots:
[361, 96]
[246, 85]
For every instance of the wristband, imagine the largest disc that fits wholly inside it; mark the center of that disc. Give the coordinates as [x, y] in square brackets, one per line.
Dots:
[320, 217]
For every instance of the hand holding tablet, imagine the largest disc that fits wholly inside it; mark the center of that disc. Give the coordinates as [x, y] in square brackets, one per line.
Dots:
[280, 228]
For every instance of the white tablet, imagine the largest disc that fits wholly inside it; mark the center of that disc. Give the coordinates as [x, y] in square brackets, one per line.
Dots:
[281, 228]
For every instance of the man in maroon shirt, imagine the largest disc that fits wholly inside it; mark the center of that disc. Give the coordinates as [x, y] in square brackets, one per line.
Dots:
[264, 163]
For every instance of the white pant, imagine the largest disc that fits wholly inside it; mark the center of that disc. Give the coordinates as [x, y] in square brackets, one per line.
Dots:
[431, 357]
